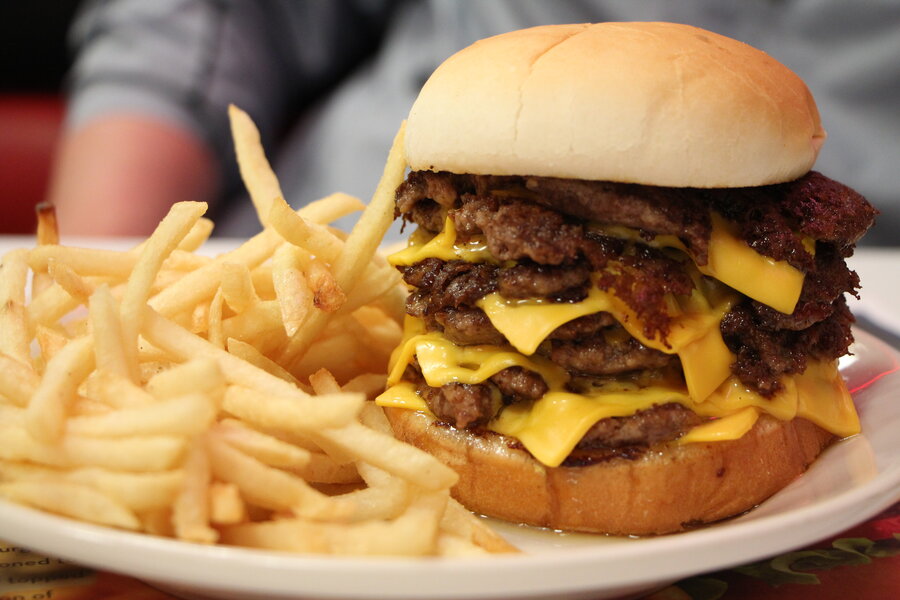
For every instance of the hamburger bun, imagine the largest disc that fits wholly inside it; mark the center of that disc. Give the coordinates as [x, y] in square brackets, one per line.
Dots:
[666, 489]
[613, 220]
[651, 103]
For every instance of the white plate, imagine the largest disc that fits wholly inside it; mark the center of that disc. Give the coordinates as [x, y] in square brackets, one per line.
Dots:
[852, 481]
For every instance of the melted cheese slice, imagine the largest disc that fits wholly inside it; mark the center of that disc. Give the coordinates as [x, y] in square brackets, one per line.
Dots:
[730, 259]
[773, 282]
[551, 427]
[443, 245]
[694, 333]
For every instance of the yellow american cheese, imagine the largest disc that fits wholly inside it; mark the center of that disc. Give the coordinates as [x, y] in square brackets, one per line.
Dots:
[772, 282]
[733, 262]
[444, 245]
[551, 427]
[694, 334]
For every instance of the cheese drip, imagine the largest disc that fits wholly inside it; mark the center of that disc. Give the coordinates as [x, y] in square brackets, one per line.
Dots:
[694, 333]
[551, 427]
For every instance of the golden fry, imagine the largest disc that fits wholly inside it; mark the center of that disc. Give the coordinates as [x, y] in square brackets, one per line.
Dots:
[291, 289]
[261, 182]
[168, 234]
[253, 356]
[72, 500]
[130, 412]
[46, 413]
[15, 340]
[106, 328]
[190, 510]
[237, 287]
[47, 226]
[18, 381]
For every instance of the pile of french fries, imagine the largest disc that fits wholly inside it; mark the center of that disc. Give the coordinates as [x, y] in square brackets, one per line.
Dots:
[222, 399]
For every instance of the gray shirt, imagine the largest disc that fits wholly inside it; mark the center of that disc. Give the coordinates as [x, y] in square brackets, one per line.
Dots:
[328, 81]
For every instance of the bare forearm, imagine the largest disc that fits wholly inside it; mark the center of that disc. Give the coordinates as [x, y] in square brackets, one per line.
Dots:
[118, 175]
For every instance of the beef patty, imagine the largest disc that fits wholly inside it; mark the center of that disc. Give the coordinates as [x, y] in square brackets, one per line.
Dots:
[537, 231]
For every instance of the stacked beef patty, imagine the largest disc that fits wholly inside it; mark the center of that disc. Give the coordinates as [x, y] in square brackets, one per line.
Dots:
[549, 239]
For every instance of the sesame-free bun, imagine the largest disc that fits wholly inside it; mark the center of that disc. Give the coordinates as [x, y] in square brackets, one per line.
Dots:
[666, 489]
[651, 103]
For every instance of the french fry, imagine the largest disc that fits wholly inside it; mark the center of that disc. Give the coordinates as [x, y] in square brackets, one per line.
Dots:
[327, 293]
[190, 511]
[84, 261]
[139, 492]
[183, 345]
[200, 285]
[145, 453]
[47, 233]
[15, 339]
[253, 356]
[292, 413]
[131, 412]
[199, 375]
[295, 298]
[323, 382]
[197, 236]
[391, 455]
[268, 487]
[237, 287]
[413, 533]
[46, 412]
[50, 305]
[116, 391]
[18, 381]
[226, 507]
[72, 500]
[106, 328]
[168, 234]
[181, 260]
[88, 407]
[473, 530]
[255, 170]
[215, 324]
[47, 226]
[184, 415]
[369, 384]
[304, 234]
[260, 321]
[73, 283]
[374, 221]
[50, 341]
[263, 447]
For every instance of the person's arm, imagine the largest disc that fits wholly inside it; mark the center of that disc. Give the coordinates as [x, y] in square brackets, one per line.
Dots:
[119, 174]
[147, 120]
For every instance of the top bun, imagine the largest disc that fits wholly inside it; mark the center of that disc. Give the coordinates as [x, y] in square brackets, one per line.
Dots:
[650, 103]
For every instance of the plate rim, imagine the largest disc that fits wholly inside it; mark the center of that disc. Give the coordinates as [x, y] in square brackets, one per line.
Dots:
[189, 566]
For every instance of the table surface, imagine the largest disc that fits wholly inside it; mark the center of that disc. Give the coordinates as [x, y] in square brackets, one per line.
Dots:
[862, 563]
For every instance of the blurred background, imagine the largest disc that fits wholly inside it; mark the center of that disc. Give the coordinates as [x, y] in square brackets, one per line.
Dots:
[329, 80]
[33, 63]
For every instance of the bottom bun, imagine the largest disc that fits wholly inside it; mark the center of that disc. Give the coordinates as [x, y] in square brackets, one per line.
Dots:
[668, 488]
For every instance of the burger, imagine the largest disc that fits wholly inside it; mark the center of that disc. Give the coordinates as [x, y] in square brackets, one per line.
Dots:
[627, 287]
